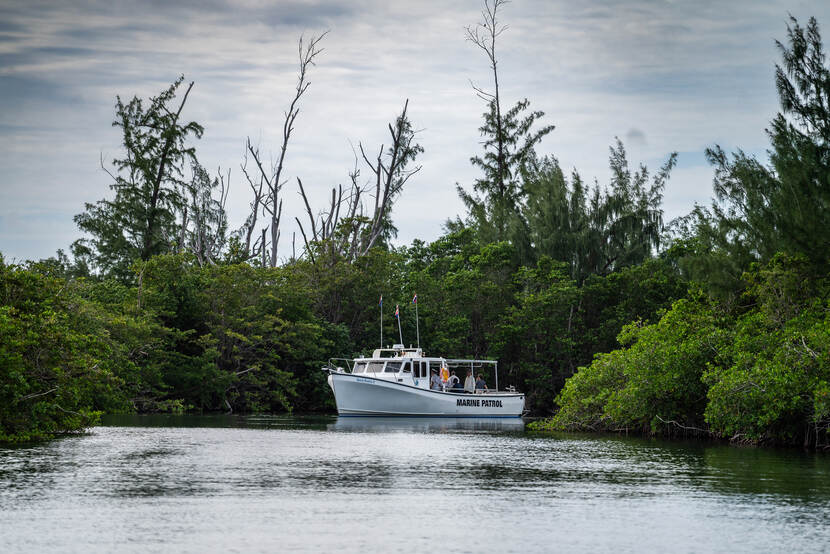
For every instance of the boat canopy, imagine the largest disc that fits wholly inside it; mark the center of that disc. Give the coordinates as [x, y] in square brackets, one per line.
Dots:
[399, 359]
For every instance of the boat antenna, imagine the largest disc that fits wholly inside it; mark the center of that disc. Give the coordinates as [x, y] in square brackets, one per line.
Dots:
[381, 320]
[398, 315]
[417, 329]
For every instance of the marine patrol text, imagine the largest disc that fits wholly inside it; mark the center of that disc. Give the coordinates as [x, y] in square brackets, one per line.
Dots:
[478, 402]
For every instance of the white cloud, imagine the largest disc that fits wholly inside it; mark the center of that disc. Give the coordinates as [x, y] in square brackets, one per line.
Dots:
[683, 74]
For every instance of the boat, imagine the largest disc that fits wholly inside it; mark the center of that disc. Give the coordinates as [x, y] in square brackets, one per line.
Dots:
[396, 382]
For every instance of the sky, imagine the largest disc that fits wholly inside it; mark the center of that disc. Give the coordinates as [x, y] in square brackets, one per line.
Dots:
[662, 75]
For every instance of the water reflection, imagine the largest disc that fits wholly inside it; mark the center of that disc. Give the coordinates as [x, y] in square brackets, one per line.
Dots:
[427, 424]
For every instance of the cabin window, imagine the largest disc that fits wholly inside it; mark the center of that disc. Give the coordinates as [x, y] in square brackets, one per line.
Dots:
[424, 369]
[392, 367]
[406, 368]
[359, 367]
[374, 367]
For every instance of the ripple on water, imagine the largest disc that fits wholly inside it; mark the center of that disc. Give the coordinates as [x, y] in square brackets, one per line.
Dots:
[322, 484]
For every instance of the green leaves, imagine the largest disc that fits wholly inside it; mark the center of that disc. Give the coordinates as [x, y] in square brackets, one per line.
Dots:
[596, 232]
[784, 206]
[760, 375]
[141, 220]
[656, 379]
[57, 365]
[509, 142]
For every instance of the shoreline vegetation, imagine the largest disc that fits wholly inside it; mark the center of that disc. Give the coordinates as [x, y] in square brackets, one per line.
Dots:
[609, 319]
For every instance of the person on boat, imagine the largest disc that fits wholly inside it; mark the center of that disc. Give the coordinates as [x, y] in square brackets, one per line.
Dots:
[435, 382]
[454, 382]
[481, 386]
[470, 382]
[445, 373]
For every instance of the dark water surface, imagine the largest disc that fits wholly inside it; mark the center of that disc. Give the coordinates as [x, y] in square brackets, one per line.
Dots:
[322, 484]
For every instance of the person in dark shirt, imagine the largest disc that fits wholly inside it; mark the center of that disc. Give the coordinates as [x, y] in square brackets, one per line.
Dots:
[480, 384]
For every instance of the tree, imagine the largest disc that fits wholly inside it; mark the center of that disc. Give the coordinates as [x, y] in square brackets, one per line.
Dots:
[595, 231]
[345, 230]
[270, 200]
[141, 221]
[58, 363]
[784, 206]
[509, 141]
[205, 222]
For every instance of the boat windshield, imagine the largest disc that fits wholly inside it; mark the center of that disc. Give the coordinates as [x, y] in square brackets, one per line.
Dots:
[374, 367]
[393, 367]
[359, 367]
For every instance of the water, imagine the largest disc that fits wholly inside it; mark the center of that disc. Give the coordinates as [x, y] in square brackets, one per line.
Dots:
[319, 484]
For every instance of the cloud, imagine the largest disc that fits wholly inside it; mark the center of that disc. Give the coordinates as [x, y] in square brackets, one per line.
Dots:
[685, 75]
[635, 136]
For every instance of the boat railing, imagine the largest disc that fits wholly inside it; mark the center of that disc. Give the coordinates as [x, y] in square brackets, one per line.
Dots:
[332, 365]
[473, 365]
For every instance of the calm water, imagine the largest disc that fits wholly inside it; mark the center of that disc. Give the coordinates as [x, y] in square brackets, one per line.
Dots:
[200, 484]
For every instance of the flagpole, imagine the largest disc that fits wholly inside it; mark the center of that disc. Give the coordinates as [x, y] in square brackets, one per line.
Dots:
[398, 314]
[381, 321]
[417, 328]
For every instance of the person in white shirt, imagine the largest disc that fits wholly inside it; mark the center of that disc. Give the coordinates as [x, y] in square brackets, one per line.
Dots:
[453, 381]
[470, 382]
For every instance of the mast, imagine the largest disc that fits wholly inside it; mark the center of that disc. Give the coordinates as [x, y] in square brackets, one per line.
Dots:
[417, 329]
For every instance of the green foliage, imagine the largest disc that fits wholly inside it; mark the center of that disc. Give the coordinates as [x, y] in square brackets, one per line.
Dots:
[141, 220]
[56, 359]
[758, 375]
[652, 383]
[635, 293]
[242, 337]
[774, 387]
[595, 232]
[535, 337]
[761, 210]
[509, 142]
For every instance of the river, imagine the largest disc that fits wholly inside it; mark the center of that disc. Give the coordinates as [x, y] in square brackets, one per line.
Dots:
[323, 484]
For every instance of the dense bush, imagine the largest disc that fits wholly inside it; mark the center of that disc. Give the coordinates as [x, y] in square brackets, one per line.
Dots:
[758, 375]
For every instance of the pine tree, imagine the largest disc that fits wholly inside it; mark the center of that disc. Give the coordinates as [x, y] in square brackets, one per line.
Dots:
[509, 142]
[784, 206]
[597, 231]
[141, 220]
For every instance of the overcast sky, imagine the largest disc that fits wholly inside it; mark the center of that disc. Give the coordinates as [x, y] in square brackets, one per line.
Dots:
[662, 75]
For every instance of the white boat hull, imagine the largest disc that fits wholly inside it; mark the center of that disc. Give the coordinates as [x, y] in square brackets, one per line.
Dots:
[358, 395]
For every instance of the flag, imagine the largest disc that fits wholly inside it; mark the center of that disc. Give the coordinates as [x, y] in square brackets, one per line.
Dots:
[415, 298]
[397, 313]
[381, 301]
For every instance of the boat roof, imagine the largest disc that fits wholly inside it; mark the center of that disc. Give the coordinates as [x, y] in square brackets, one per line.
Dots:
[398, 351]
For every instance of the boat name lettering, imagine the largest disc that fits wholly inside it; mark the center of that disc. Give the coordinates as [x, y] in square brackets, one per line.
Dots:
[364, 380]
[478, 402]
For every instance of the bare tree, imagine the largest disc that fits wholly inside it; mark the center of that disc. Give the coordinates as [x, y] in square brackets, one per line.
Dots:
[344, 227]
[484, 36]
[256, 183]
[268, 197]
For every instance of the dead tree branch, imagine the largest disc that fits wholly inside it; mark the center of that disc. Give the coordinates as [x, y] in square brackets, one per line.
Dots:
[272, 180]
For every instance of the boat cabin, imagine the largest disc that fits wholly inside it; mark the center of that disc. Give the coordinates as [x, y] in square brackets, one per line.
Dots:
[411, 367]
